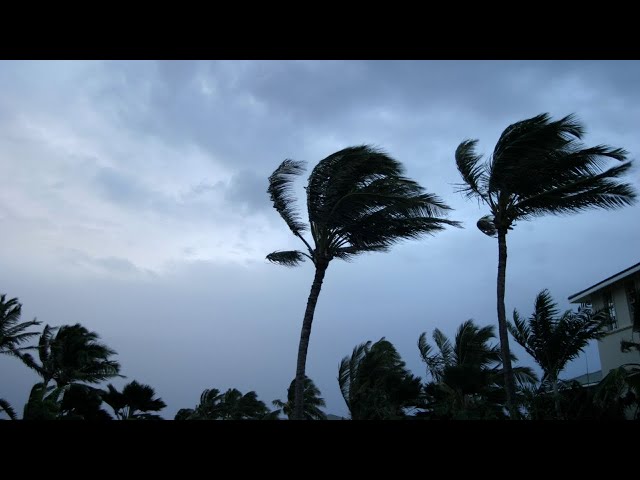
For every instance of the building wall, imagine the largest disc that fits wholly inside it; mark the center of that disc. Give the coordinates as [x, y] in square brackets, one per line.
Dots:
[609, 347]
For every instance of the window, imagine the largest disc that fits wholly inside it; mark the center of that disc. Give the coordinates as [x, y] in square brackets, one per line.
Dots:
[585, 307]
[632, 297]
[608, 305]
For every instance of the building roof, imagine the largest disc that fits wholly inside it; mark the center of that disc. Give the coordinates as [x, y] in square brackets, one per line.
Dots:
[582, 295]
[588, 379]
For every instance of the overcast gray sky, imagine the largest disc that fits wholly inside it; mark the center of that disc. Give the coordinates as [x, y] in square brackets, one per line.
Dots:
[133, 200]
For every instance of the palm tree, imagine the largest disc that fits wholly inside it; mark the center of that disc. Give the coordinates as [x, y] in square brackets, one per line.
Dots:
[12, 333]
[618, 394]
[538, 167]
[552, 340]
[44, 402]
[357, 201]
[82, 402]
[375, 383]
[72, 355]
[312, 401]
[135, 397]
[467, 376]
[231, 405]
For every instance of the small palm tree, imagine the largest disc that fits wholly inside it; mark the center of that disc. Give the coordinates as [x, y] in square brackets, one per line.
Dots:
[45, 402]
[72, 355]
[538, 167]
[312, 401]
[82, 402]
[467, 376]
[135, 397]
[357, 201]
[375, 383]
[552, 340]
[12, 333]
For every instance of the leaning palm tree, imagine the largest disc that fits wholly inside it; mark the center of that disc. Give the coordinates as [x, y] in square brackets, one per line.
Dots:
[552, 340]
[312, 401]
[357, 201]
[12, 333]
[467, 379]
[538, 167]
[73, 354]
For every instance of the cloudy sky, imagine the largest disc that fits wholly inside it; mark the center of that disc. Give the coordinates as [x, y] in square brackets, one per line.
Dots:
[132, 200]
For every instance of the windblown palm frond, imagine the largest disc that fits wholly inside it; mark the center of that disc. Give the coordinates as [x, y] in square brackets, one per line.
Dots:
[280, 191]
[73, 355]
[8, 409]
[539, 167]
[289, 258]
[12, 333]
[358, 201]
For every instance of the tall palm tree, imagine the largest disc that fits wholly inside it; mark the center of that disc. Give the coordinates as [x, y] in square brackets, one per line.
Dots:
[538, 167]
[375, 383]
[312, 401]
[73, 354]
[135, 397]
[357, 201]
[552, 340]
[467, 376]
[12, 333]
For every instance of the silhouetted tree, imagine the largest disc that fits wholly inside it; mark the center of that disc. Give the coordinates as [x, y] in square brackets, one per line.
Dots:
[12, 333]
[72, 355]
[375, 383]
[135, 397]
[357, 201]
[552, 340]
[231, 405]
[82, 402]
[312, 401]
[538, 167]
[467, 376]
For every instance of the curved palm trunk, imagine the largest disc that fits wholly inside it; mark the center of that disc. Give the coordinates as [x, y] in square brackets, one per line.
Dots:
[509, 383]
[298, 411]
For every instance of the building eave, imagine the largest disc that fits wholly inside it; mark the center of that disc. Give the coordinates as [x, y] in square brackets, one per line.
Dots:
[584, 294]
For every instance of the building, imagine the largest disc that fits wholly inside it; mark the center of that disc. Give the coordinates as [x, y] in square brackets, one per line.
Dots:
[618, 294]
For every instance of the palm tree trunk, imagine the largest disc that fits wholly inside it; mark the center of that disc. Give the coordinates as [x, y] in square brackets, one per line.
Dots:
[321, 268]
[509, 383]
[556, 396]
